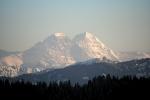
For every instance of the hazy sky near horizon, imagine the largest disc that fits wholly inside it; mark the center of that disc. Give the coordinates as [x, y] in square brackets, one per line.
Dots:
[123, 25]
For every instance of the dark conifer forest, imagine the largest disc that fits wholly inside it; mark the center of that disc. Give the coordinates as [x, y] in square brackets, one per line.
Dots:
[99, 88]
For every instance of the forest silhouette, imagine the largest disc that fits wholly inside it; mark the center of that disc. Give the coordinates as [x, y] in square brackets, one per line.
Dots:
[99, 88]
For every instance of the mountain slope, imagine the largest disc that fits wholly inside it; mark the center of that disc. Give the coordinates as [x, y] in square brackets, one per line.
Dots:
[87, 46]
[53, 52]
[10, 63]
[82, 72]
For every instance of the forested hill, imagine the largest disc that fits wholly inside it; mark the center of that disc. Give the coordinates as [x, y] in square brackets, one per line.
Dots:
[99, 88]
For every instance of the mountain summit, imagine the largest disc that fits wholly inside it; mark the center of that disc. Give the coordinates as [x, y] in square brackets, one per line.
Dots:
[59, 34]
[53, 52]
[58, 51]
[89, 46]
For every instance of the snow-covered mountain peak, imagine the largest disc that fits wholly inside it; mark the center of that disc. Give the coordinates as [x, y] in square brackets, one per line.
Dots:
[59, 34]
[85, 35]
[53, 52]
[88, 35]
[55, 38]
[59, 51]
[89, 39]
[89, 46]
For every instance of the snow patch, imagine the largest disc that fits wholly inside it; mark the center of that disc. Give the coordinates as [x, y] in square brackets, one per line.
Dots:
[59, 34]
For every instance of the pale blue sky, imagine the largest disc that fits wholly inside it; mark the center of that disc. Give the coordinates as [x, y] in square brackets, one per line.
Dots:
[123, 25]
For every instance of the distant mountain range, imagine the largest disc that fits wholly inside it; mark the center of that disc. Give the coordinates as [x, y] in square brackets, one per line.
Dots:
[126, 56]
[58, 51]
